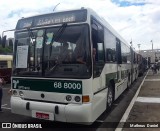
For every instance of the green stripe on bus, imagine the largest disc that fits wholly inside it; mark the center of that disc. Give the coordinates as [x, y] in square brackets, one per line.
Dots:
[60, 86]
[115, 76]
[111, 76]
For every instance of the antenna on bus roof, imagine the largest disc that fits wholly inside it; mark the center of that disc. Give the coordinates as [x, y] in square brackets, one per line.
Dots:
[55, 7]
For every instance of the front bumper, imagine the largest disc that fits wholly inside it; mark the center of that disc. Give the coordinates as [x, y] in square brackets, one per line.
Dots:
[72, 113]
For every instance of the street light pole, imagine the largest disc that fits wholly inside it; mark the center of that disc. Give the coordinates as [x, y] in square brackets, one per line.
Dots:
[131, 42]
[139, 47]
[152, 44]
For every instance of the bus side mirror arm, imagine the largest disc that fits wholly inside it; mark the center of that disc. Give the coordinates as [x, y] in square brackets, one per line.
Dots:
[3, 38]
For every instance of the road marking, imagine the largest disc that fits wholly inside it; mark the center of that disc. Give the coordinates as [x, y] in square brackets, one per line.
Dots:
[99, 121]
[148, 99]
[4, 105]
[126, 114]
[6, 108]
[152, 79]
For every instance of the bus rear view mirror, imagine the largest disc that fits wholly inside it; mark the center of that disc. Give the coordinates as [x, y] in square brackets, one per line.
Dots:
[3, 39]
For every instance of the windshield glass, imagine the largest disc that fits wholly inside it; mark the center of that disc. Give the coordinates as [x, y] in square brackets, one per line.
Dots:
[54, 52]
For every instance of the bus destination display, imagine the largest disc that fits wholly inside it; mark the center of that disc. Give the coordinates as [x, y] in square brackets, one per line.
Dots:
[52, 19]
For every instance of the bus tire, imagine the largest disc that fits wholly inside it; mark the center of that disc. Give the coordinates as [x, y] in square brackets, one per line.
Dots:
[110, 97]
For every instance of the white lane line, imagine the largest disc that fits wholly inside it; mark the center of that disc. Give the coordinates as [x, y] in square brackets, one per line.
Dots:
[152, 79]
[99, 121]
[6, 108]
[4, 105]
[148, 99]
[126, 114]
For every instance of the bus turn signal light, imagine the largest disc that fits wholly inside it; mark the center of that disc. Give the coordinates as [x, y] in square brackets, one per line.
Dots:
[85, 98]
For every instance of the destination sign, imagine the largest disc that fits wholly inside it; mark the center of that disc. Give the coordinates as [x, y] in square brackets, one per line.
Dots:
[47, 20]
[52, 19]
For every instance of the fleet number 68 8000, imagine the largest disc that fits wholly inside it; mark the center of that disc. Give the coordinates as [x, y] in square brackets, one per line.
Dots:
[67, 85]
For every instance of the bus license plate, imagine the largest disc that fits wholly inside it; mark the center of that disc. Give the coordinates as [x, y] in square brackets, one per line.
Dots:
[42, 115]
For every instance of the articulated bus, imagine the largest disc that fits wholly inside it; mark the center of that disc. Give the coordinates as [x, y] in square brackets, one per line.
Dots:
[69, 66]
[6, 67]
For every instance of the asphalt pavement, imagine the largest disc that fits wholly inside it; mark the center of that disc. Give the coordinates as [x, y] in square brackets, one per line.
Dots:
[144, 114]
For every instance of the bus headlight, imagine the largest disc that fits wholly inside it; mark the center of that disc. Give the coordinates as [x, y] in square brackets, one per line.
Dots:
[68, 98]
[77, 98]
[14, 92]
[21, 93]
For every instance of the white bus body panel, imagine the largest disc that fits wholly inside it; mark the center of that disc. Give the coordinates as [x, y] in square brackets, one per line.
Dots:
[68, 111]
[80, 113]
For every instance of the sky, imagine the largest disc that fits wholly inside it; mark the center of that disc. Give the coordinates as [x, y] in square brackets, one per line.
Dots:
[135, 20]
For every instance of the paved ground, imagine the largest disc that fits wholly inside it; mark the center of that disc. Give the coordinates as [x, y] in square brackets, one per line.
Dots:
[145, 113]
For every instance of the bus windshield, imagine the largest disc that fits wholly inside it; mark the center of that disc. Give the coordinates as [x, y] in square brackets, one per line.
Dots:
[53, 52]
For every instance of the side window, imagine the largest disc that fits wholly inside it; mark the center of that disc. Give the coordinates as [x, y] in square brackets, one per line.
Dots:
[125, 52]
[100, 52]
[110, 46]
[98, 40]
[128, 53]
[118, 49]
[135, 60]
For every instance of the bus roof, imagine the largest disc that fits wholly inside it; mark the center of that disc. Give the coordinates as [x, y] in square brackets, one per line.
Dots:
[107, 25]
[90, 12]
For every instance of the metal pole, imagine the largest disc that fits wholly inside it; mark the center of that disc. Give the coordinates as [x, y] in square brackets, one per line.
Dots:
[131, 42]
[56, 6]
[7, 31]
[139, 47]
[152, 44]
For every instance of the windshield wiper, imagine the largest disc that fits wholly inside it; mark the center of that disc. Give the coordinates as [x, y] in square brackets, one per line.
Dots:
[58, 35]
[54, 67]
[32, 40]
[59, 32]
[30, 34]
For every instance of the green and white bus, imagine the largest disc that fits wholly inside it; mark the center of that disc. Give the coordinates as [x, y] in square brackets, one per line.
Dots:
[69, 66]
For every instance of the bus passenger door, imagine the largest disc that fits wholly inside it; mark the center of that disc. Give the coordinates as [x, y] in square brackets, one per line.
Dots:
[98, 66]
[98, 56]
[119, 69]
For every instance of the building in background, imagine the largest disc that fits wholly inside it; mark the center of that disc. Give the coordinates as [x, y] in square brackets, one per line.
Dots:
[151, 55]
[9, 42]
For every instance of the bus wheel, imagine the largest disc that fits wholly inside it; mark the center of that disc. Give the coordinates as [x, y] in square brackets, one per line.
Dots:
[109, 97]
